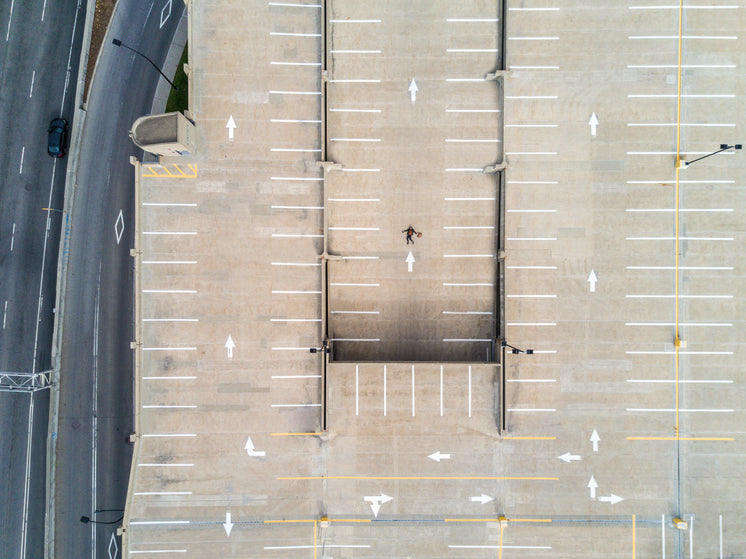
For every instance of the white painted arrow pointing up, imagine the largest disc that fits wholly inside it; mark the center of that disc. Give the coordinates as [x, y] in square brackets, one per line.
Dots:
[592, 279]
[228, 525]
[229, 345]
[593, 485]
[413, 89]
[231, 126]
[593, 123]
[249, 448]
[438, 456]
[410, 260]
[594, 439]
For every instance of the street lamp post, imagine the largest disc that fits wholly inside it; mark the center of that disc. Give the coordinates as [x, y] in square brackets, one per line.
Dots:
[119, 43]
[723, 147]
[87, 519]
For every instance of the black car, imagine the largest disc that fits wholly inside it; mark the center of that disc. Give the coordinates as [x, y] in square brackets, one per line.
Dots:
[57, 137]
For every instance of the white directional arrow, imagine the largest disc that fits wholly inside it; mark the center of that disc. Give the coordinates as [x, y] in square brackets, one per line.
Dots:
[376, 501]
[413, 89]
[409, 261]
[231, 126]
[229, 345]
[593, 122]
[438, 456]
[249, 448]
[592, 279]
[482, 499]
[593, 485]
[594, 439]
[613, 499]
[228, 525]
[567, 457]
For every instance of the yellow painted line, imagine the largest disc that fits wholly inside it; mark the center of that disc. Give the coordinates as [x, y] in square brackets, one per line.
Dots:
[157, 171]
[497, 520]
[680, 438]
[411, 478]
[315, 526]
[309, 434]
[531, 438]
[633, 536]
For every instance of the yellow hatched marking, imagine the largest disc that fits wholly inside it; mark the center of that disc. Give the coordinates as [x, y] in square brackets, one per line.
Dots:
[175, 171]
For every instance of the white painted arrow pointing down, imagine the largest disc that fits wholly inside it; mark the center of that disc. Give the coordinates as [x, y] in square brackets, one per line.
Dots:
[228, 525]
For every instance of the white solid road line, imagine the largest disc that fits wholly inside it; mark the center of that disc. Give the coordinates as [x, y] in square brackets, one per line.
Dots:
[279, 34]
[683, 66]
[291, 5]
[680, 268]
[640, 296]
[694, 37]
[295, 376]
[680, 238]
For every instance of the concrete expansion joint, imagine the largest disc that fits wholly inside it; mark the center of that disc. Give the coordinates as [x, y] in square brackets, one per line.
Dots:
[329, 166]
[496, 168]
[497, 75]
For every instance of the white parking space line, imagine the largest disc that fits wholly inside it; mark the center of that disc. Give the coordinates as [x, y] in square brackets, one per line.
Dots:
[170, 319]
[533, 38]
[465, 79]
[152, 522]
[275, 92]
[287, 292]
[469, 390]
[692, 324]
[531, 267]
[472, 110]
[515, 67]
[466, 227]
[167, 407]
[653, 352]
[296, 405]
[295, 63]
[471, 50]
[441, 391]
[680, 238]
[668, 182]
[357, 391]
[355, 52]
[467, 339]
[671, 381]
[487, 313]
[294, 121]
[169, 291]
[532, 238]
[162, 493]
[464, 170]
[295, 376]
[169, 232]
[532, 296]
[326, 545]
[291, 5]
[385, 374]
[472, 20]
[685, 37]
[295, 320]
[413, 391]
[356, 339]
[724, 210]
[689, 410]
[297, 207]
[169, 204]
[280, 34]
[306, 349]
[360, 257]
[533, 9]
[638, 296]
[711, 268]
[355, 110]
[676, 7]
[356, 312]
[684, 124]
[169, 261]
[683, 66]
[683, 95]
[501, 546]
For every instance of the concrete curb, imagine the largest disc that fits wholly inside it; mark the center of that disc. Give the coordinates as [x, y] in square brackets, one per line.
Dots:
[71, 177]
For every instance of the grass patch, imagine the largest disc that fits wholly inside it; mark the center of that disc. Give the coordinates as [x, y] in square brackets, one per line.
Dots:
[178, 100]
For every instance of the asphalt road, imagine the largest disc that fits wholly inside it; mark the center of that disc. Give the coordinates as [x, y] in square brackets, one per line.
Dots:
[38, 64]
[93, 454]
